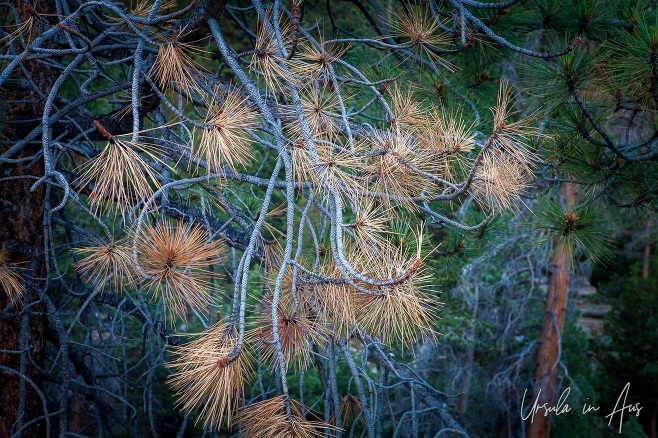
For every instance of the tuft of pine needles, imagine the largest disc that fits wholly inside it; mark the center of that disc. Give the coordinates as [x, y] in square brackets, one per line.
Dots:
[223, 140]
[174, 66]
[315, 60]
[403, 311]
[105, 261]
[120, 174]
[298, 331]
[10, 281]
[266, 60]
[417, 27]
[409, 113]
[448, 138]
[279, 417]
[370, 224]
[174, 260]
[500, 181]
[320, 110]
[394, 166]
[209, 375]
[572, 232]
[507, 166]
[350, 406]
[328, 167]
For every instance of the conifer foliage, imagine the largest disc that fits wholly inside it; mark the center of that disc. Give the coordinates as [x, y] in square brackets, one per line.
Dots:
[295, 175]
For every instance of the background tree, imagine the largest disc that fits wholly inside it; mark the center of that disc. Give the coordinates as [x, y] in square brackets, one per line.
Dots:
[631, 327]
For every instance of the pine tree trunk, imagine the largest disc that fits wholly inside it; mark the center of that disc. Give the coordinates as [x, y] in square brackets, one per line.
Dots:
[549, 345]
[548, 353]
[22, 218]
[22, 329]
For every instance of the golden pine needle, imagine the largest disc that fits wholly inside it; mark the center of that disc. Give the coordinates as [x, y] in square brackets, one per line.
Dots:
[393, 165]
[403, 311]
[120, 174]
[321, 111]
[105, 261]
[369, 225]
[207, 378]
[418, 27]
[173, 65]
[275, 213]
[142, 9]
[270, 419]
[267, 60]
[10, 281]
[448, 139]
[337, 300]
[507, 168]
[350, 406]
[223, 141]
[409, 113]
[24, 31]
[509, 136]
[315, 60]
[500, 180]
[331, 168]
[175, 259]
[297, 328]
[272, 254]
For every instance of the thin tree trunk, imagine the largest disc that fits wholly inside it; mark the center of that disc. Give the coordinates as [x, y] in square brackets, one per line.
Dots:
[548, 353]
[549, 345]
[470, 349]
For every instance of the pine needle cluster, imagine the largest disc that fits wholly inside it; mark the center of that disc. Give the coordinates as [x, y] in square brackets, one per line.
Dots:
[210, 375]
[279, 417]
[223, 140]
[174, 66]
[298, 330]
[105, 262]
[120, 174]
[417, 27]
[10, 280]
[174, 261]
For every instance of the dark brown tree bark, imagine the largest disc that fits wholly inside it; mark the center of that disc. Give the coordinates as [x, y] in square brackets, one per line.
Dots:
[21, 217]
[21, 229]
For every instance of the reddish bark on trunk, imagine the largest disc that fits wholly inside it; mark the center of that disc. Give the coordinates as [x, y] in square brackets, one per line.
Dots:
[548, 353]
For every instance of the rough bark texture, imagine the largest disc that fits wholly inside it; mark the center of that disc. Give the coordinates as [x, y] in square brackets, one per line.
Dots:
[21, 229]
[549, 345]
[21, 216]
